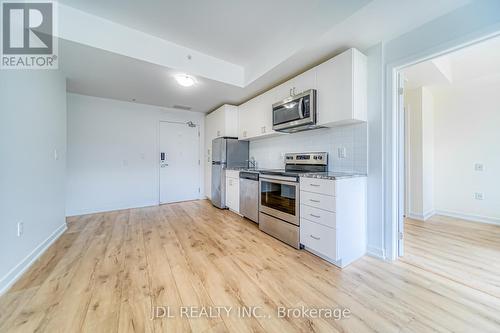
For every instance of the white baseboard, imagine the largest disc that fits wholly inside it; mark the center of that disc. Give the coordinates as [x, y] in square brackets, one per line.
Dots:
[102, 209]
[469, 217]
[375, 252]
[421, 217]
[15, 273]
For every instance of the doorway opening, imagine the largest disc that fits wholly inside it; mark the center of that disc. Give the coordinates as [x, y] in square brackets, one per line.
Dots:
[449, 165]
[179, 167]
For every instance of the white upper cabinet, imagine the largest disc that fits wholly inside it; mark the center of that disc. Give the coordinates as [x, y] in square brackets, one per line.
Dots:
[255, 117]
[342, 89]
[295, 86]
[341, 85]
[245, 128]
[222, 122]
[304, 81]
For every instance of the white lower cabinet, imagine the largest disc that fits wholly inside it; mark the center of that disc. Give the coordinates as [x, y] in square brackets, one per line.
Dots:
[319, 238]
[233, 190]
[333, 218]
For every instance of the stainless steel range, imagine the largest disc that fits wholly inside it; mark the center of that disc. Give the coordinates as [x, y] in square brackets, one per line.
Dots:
[279, 214]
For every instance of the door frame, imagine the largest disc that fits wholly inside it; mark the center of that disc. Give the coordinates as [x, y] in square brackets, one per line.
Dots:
[394, 156]
[158, 151]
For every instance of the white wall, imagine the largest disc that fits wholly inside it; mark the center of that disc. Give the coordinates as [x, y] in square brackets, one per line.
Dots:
[428, 176]
[32, 127]
[465, 24]
[269, 152]
[419, 108]
[375, 218]
[113, 153]
[467, 131]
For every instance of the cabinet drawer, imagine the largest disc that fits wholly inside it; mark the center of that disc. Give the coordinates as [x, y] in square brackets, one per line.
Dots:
[316, 185]
[317, 215]
[232, 173]
[317, 200]
[319, 238]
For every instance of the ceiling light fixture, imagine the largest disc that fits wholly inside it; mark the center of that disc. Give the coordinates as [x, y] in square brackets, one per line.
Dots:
[185, 80]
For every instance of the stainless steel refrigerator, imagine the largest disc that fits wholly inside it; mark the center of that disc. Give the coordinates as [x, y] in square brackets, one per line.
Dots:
[226, 153]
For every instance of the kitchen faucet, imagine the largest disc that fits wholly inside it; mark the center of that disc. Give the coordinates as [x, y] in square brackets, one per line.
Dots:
[252, 164]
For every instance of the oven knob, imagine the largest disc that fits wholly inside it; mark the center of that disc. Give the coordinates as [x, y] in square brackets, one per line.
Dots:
[320, 157]
[315, 157]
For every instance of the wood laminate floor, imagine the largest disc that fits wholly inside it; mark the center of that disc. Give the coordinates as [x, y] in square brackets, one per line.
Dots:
[108, 270]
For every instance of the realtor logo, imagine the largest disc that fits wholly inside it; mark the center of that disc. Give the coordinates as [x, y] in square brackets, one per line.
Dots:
[28, 35]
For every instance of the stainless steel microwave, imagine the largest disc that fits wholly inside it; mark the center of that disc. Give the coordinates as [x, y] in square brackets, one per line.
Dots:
[295, 113]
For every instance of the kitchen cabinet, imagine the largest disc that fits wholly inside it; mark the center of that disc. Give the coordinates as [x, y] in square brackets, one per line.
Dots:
[222, 122]
[219, 123]
[255, 117]
[333, 218]
[233, 190]
[341, 84]
[295, 86]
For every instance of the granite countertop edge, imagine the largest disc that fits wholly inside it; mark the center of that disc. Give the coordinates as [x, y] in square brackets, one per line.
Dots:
[318, 175]
[331, 175]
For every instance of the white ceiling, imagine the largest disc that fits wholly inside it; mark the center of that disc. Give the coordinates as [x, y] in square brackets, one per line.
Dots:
[476, 62]
[238, 31]
[94, 72]
[426, 73]
[245, 31]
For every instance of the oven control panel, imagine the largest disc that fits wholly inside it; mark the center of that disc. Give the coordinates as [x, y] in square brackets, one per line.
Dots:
[306, 158]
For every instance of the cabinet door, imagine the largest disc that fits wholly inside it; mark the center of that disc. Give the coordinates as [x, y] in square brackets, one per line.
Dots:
[229, 193]
[230, 120]
[264, 114]
[304, 81]
[334, 85]
[219, 122]
[282, 91]
[244, 121]
[232, 193]
[235, 188]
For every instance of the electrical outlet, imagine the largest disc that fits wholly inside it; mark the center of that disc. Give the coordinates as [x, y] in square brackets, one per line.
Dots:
[341, 153]
[478, 167]
[478, 196]
[20, 229]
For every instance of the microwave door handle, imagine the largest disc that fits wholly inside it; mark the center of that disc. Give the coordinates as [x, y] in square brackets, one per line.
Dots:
[301, 113]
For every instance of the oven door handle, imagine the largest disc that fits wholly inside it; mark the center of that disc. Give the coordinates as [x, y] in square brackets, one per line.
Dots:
[282, 180]
[301, 111]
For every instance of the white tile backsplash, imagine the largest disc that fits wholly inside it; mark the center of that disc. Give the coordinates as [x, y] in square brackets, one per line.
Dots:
[269, 152]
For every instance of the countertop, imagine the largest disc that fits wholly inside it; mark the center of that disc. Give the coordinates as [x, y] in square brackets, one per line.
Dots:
[319, 175]
[331, 175]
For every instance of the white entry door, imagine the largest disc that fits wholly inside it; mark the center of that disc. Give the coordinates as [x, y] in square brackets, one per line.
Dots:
[179, 163]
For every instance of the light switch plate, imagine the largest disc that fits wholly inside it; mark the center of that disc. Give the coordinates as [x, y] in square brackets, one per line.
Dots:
[478, 167]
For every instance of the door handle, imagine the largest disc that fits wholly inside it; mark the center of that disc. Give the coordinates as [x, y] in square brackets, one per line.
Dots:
[314, 237]
[315, 185]
[312, 200]
[301, 112]
[316, 216]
